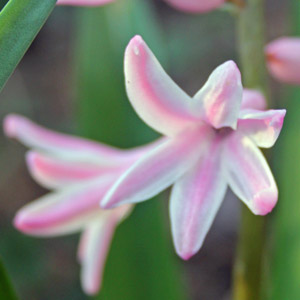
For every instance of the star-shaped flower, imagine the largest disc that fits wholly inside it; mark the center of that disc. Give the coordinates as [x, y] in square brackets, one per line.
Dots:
[79, 172]
[212, 142]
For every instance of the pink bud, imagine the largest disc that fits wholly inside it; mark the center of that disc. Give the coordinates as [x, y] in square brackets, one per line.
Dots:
[283, 58]
[195, 6]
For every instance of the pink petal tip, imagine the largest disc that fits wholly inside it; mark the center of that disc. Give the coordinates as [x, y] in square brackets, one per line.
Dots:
[10, 125]
[265, 201]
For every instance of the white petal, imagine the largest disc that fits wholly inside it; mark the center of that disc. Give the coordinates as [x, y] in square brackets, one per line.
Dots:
[159, 168]
[220, 98]
[152, 93]
[263, 127]
[195, 201]
[94, 246]
[249, 175]
[63, 212]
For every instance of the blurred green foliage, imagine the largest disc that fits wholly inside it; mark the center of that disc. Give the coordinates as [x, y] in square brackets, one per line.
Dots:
[142, 262]
[6, 289]
[285, 262]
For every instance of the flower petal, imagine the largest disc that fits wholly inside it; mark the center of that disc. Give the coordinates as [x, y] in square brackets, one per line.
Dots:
[220, 98]
[195, 201]
[152, 93]
[84, 2]
[263, 127]
[38, 137]
[63, 212]
[253, 99]
[159, 168]
[55, 172]
[249, 175]
[193, 6]
[284, 60]
[70, 147]
[94, 246]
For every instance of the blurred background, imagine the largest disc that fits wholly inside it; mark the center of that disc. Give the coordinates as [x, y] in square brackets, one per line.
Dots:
[54, 86]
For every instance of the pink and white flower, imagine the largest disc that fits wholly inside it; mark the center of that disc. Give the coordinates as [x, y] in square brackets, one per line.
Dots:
[84, 2]
[283, 58]
[196, 6]
[79, 172]
[212, 142]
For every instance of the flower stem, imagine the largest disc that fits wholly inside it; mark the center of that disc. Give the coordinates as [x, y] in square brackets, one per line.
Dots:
[249, 257]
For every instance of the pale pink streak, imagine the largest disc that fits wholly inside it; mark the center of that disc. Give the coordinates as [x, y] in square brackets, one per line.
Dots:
[196, 6]
[283, 58]
[94, 246]
[263, 127]
[152, 93]
[253, 99]
[38, 137]
[50, 214]
[67, 146]
[159, 168]
[249, 175]
[53, 172]
[195, 201]
[84, 2]
[219, 100]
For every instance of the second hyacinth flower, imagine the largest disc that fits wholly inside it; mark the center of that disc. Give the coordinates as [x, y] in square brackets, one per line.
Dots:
[79, 172]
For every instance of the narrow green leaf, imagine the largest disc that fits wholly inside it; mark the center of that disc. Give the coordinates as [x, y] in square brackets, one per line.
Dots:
[142, 263]
[20, 21]
[6, 289]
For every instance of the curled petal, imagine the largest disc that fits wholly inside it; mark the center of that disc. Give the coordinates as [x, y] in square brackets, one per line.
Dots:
[253, 99]
[152, 93]
[193, 6]
[84, 2]
[195, 201]
[158, 169]
[249, 175]
[55, 172]
[220, 98]
[63, 212]
[263, 127]
[284, 60]
[94, 246]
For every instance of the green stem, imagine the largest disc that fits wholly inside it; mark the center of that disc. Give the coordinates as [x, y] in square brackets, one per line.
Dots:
[285, 259]
[249, 257]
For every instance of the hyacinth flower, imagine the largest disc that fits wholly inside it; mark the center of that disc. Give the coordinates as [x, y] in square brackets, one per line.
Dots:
[283, 59]
[78, 172]
[212, 142]
[84, 2]
[196, 6]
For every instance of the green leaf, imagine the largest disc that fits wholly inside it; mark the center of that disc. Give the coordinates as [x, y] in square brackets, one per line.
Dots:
[142, 263]
[20, 22]
[6, 289]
